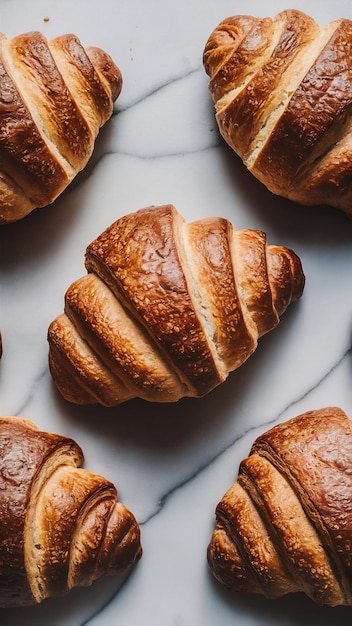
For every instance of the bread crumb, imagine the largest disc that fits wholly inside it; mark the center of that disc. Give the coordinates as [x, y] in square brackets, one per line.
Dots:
[46, 19]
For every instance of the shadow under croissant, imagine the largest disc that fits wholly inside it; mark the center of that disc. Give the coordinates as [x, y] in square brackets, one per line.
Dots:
[162, 427]
[288, 609]
[81, 604]
[293, 221]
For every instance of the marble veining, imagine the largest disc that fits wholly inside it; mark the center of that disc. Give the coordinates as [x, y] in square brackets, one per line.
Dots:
[170, 463]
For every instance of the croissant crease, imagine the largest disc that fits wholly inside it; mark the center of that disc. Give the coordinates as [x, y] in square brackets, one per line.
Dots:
[282, 90]
[60, 525]
[54, 98]
[285, 525]
[168, 309]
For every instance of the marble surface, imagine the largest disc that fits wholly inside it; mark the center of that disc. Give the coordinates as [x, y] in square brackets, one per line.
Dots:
[171, 463]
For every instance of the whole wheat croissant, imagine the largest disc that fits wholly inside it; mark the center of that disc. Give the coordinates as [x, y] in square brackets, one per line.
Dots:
[54, 97]
[167, 308]
[283, 91]
[285, 525]
[60, 525]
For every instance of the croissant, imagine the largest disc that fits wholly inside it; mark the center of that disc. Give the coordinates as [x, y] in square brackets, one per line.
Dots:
[54, 97]
[167, 308]
[60, 525]
[285, 525]
[282, 90]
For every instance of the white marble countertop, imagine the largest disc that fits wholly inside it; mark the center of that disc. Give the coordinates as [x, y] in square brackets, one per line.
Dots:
[171, 463]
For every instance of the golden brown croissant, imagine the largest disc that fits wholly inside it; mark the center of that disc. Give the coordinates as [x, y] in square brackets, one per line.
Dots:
[167, 308]
[60, 525]
[54, 97]
[285, 525]
[282, 90]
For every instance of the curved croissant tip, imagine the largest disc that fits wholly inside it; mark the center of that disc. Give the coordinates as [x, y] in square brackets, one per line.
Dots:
[299, 279]
[105, 64]
[116, 82]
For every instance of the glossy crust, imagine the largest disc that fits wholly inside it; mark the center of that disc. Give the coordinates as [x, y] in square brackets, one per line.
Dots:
[285, 525]
[60, 526]
[283, 91]
[167, 308]
[54, 97]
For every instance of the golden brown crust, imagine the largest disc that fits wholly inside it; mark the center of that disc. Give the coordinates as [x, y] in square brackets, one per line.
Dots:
[251, 559]
[283, 268]
[24, 152]
[141, 253]
[235, 335]
[60, 525]
[23, 449]
[228, 54]
[319, 457]
[297, 479]
[120, 343]
[52, 105]
[283, 95]
[109, 74]
[167, 309]
[70, 357]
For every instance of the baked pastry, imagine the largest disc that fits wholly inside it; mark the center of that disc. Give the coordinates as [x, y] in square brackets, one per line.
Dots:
[54, 97]
[167, 308]
[60, 526]
[285, 525]
[282, 90]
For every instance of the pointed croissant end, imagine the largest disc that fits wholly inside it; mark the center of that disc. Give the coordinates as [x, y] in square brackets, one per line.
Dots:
[168, 309]
[61, 526]
[285, 525]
